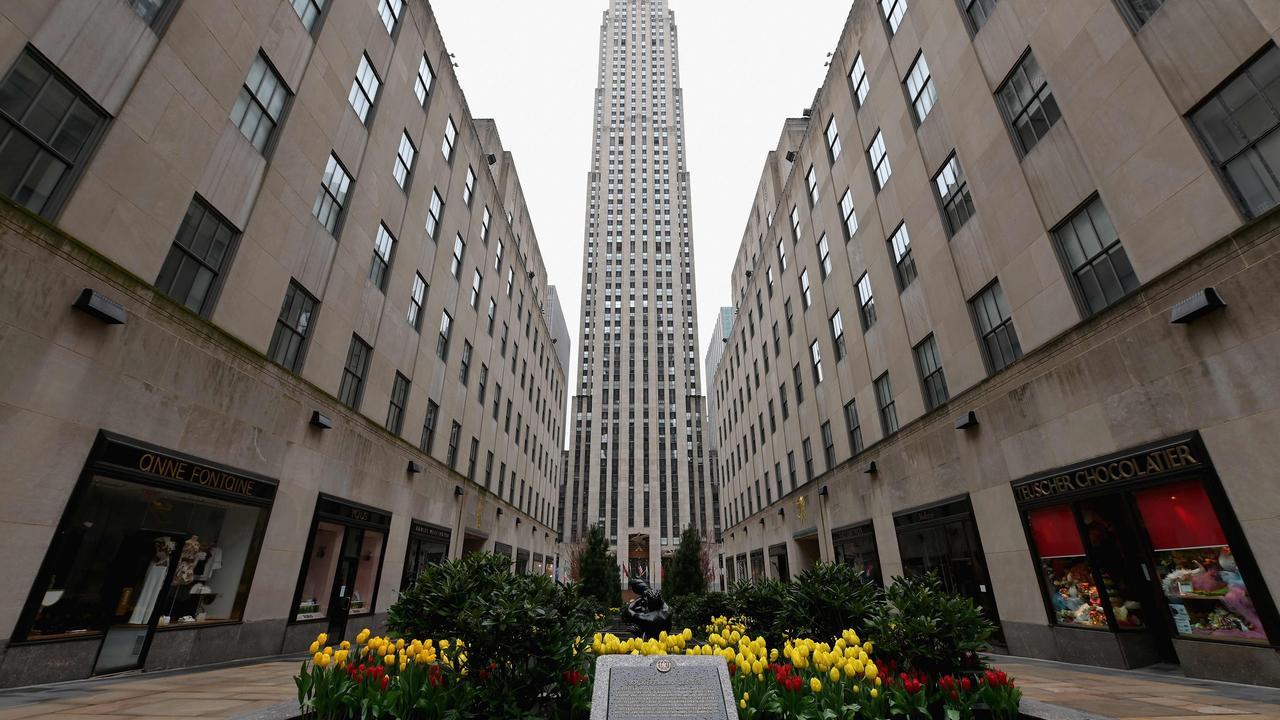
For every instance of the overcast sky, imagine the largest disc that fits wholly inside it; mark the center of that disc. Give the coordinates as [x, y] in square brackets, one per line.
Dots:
[745, 66]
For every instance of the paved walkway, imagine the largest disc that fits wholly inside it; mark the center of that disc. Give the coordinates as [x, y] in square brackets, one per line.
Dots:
[1159, 692]
[216, 694]
[262, 689]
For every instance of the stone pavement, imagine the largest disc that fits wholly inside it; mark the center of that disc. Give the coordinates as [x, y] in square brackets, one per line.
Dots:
[1159, 693]
[1054, 691]
[210, 694]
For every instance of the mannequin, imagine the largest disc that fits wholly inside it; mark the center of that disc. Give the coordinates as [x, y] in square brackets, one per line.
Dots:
[191, 554]
[153, 581]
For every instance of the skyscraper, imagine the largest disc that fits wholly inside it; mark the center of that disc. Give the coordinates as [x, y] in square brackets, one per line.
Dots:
[637, 425]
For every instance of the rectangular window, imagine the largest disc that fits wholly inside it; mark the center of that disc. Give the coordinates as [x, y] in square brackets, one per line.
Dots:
[416, 298]
[351, 388]
[404, 160]
[475, 289]
[815, 356]
[904, 263]
[464, 365]
[799, 383]
[455, 434]
[422, 84]
[1138, 12]
[849, 215]
[364, 90]
[833, 140]
[395, 410]
[289, 341]
[47, 131]
[837, 336]
[768, 275]
[260, 104]
[333, 194]
[469, 187]
[459, 247]
[383, 248]
[782, 254]
[893, 11]
[806, 297]
[858, 80]
[497, 258]
[791, 466]
[786, 307]
[308, 12]
[195, 267]
[389, 11]
[828, 445]
[471, 458]
[811, 181]
[884, 399]
[446, 327]
[1236, 125]
[795, 224]
[1027, 103]
[953, 193]
[782, 395]
[483, 385]
[920, 88]
[855, 427]
[485, 220]
[497, 399]
[929, 364]
[450, 137]
[824, 256]
[429, 427]
[1093, 253]
[866, 302]
[995, 328]
[978, 11]
[434, 212]
[491, 316]
[879, 161]
[808, 459]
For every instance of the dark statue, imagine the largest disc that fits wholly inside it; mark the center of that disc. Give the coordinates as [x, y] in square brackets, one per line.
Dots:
[648, 612]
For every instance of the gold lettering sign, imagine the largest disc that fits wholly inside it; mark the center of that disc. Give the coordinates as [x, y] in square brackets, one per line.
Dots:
[358, 514]
[184, 471]
[1134, 467]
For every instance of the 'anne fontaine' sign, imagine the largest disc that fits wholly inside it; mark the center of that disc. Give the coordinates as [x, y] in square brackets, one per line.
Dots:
[1170, 457]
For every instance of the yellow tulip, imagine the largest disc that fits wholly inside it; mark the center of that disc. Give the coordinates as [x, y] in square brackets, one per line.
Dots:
[850, 669]
[345, 645]
[316, 658]
[742, 704]
[687, 634]
[835, 675]
[870, 671]
[389, 659]
[444, 644]
[815, 685]
[322, 638]
[875, 693]
[315, 647]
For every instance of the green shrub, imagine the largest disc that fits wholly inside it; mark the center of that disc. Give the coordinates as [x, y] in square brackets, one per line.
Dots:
[687, 574]
[696, 610]
[524, 629]
[761, 600]
[827, 599]
[596, 568]
[927, 629]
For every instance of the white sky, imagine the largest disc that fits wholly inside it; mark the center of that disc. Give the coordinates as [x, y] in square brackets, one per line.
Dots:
[745, 66]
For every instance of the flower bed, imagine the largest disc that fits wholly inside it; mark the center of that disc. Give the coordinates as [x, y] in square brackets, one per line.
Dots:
[381, 677]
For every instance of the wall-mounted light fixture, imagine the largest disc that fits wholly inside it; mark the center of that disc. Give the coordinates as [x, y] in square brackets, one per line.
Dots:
[870, 468]
[967, 420]
[457, 491]
[1202, 303]
[95, 304]
[414, 467]
[321, 420]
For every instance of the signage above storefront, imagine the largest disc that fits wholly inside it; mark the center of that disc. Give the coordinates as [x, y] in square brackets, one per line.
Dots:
[352, 513]
[1166, 458]
[146, 462]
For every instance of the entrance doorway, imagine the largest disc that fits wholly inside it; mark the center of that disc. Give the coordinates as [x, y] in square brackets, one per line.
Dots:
[944, 539]
[343, 564]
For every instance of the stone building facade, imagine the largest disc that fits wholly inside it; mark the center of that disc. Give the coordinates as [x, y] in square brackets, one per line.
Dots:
[308, 353]
[981, 328]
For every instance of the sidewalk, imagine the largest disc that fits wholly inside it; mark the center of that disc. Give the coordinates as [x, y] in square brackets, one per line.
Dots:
[243, 691]
[1161, 692]
[215, 694]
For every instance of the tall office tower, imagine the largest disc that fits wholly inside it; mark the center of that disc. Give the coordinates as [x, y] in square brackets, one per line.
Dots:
[637, 451]
[720, 333]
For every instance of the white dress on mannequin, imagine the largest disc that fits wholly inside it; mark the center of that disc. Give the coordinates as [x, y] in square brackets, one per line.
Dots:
[153, 582]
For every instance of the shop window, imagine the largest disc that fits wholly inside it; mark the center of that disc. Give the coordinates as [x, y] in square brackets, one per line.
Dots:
[856, 547]
[343, 562]
[428, 545]
[1197, 571]
[1073, 593]
[130, 556]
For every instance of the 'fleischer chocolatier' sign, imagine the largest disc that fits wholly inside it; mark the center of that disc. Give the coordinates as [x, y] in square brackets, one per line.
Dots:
[1172, 456]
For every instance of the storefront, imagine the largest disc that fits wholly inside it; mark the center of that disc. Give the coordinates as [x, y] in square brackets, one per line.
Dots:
[428, 545]
[1143, 545]
[943, 539]
[341, 570]
[151, 540]
[778, 562]
[757, 564]
[855, 545]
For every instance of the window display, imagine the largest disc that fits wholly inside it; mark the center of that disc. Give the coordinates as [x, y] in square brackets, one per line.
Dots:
[1067, 572]
[322, 567]
[343, 562]
[1196, 569]
[129, 551]
[428, 545]
[856, 546]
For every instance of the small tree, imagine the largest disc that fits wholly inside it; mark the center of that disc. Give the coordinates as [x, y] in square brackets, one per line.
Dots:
[597, 570]
[687, 573]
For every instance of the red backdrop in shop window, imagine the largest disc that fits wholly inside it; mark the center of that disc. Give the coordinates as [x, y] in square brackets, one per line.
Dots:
[1055, 532]
[1180, 515]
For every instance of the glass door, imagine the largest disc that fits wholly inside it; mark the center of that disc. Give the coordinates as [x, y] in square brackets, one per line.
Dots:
[141, 571]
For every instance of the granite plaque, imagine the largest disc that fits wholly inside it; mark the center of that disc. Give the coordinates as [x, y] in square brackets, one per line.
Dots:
[663, 687]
